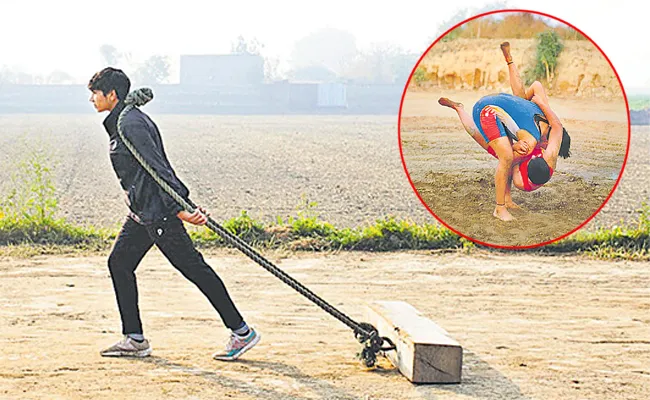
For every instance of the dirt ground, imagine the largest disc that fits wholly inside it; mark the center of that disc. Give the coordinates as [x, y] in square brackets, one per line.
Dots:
[349, 165]
[455, 176]
[530, 327]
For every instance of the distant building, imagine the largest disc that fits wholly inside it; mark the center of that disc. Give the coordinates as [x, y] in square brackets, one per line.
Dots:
[222, 70]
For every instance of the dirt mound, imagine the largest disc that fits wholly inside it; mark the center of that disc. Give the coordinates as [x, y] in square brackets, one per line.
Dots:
[470, 64]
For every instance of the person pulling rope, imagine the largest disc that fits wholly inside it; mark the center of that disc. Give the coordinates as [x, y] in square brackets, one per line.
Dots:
[365, 333]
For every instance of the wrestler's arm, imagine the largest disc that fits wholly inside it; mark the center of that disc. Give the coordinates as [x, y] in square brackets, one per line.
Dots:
[526, 142]
[518, 157]
[536, 89]
[544, 142]
[555, 136]
[516, 177]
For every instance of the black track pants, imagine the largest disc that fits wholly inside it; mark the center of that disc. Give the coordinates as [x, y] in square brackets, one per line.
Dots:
[173, 241]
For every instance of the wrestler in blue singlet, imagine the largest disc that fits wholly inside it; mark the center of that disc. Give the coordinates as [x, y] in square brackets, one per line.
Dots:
[525, 113]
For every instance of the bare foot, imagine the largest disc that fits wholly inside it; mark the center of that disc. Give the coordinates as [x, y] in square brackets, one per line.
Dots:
[505, 48]
[443, 101]
[512, 204]
[502, 213]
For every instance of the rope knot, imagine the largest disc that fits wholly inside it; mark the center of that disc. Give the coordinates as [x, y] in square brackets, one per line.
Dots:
[139, 97]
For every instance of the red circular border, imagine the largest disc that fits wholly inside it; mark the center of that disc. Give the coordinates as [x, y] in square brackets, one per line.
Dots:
[627, 150]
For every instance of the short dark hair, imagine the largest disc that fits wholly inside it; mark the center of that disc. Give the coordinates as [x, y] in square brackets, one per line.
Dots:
[565, 146]
[111, 79]
[538, 171]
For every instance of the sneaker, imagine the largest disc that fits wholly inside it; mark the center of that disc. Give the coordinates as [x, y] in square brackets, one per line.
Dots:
[128, 347]
[237, 346]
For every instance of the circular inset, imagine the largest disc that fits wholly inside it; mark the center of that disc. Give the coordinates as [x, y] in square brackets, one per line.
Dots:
[514, 129]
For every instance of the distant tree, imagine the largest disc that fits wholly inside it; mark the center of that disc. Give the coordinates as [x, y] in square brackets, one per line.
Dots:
[110, 55]
[402, 64]
[59, 77]
[23, 78]
[272, 69]
[153, 70]
[15, 75]
[382, 63]
[5, 75]
[330, 48]
[513, 25]
[461, 15]
[242, 45]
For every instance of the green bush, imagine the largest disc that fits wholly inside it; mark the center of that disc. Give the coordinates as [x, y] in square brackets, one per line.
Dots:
[246, 228]
[31, 195]
[392, 234]
[27, 211]
[420, 75]
[549, 47]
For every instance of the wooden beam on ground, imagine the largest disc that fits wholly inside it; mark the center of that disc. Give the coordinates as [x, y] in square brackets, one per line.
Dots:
[425, 351]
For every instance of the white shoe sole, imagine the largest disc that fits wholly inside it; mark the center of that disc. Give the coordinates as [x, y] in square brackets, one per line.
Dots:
[137, 354]
[249, 346]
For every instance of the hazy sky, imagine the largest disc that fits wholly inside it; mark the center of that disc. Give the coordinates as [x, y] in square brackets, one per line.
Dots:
[40, 36]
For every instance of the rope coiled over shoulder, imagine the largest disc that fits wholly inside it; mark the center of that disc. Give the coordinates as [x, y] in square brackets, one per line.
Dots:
[139, 97]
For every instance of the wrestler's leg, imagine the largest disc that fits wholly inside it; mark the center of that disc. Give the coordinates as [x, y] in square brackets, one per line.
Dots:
[501, 148]
[503, 174]
[508, 198]
[466, 120]
[515, 79]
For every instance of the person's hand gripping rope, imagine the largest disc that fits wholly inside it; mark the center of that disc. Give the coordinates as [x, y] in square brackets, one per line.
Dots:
[198, 217]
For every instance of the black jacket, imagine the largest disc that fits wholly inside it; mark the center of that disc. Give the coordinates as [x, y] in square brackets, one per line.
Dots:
[146, 199]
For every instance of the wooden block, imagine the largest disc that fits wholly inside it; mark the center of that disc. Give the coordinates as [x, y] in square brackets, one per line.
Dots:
[425, 351]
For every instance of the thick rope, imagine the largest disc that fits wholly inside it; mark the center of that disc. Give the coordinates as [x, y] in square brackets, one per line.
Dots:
[365, 333]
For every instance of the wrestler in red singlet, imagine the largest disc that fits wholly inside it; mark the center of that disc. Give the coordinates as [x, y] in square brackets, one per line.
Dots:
[523, 168]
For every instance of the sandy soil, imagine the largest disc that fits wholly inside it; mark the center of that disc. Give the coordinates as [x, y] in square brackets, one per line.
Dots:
[531, 328]
[455, 176]
[349, 165]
